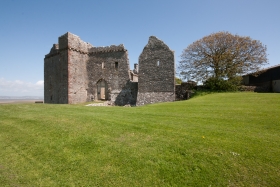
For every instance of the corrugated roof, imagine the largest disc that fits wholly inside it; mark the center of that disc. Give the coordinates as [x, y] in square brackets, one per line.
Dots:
[263, 70]
[278, 65]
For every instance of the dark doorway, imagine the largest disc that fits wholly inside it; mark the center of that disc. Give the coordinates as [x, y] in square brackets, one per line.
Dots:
[102, 90]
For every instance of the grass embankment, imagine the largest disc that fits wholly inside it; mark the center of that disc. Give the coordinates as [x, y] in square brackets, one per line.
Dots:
[225, 139]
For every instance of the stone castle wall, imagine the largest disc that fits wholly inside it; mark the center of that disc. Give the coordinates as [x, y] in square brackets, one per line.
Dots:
[56, 76]
[73, 68]
[156, 73]
[75, 71]
[77, 77]
[184, 90]
[154, 97]
[77, 61]
[113, 67]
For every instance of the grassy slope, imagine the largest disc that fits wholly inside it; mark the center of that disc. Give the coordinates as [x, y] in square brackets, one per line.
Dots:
[226, 139]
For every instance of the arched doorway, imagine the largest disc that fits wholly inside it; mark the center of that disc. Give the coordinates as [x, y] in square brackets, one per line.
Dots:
[102, 90]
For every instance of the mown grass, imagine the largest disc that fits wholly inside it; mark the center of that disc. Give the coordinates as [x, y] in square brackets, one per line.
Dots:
[221, 139]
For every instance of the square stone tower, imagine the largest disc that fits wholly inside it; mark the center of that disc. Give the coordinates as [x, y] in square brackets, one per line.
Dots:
[77, 72]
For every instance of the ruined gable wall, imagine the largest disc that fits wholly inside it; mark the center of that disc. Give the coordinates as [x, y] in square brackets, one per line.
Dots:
[156, 73]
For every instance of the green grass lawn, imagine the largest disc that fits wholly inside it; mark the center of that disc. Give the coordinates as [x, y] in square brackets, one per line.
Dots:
[223, 139]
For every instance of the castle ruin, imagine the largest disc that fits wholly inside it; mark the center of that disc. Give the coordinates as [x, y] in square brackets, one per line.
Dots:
[77, 72]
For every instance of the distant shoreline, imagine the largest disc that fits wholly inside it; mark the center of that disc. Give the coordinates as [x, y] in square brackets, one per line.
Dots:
[9, 101]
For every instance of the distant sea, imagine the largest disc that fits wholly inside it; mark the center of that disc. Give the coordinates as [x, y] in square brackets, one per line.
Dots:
[22, 99]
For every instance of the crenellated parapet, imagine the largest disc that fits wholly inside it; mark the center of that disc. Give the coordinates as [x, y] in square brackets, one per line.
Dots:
[73, 42]
[54, 51]
[111, 48]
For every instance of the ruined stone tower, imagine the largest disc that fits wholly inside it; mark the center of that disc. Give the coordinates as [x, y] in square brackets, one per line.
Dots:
[76, 72]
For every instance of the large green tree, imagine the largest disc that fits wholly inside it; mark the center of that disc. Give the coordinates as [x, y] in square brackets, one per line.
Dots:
[222, 56]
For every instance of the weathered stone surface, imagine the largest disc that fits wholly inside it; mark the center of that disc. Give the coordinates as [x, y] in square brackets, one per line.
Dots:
[115, 77]
[77, 77]
[154, 97]
[76, 71]
[73, 69]
[156, 73]
[128, 94]
[184, 90]
[56, 78]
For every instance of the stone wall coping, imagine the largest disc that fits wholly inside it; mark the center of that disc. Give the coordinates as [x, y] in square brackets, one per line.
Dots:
[93, 50]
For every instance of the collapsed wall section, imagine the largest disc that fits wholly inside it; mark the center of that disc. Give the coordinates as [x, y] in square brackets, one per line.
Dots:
[156, 73]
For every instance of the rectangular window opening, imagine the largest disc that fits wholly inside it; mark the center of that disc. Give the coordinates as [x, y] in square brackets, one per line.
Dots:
[116, 65]
[158, 63]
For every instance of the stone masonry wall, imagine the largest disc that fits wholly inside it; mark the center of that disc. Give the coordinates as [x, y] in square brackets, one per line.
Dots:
[111, 66]
[127, 96]
[56, 76]
[156, 73]
[185, 90]
[77, 78]
[64, 69]
[73, 68]
[154, 97]
[77, 72]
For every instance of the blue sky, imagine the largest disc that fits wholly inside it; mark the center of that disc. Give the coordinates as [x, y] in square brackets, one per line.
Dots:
[29, 28]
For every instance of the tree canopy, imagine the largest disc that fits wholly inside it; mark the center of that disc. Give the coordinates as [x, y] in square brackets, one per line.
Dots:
[222, 55]
[178, 80]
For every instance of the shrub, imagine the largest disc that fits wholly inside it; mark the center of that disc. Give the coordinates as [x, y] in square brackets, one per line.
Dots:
[217, 84]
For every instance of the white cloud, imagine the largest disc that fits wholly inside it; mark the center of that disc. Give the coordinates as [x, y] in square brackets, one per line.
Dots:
[40, 83]
[21, 88]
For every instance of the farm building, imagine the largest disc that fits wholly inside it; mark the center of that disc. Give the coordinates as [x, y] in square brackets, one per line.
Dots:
[268, 80]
